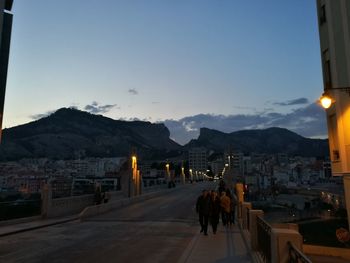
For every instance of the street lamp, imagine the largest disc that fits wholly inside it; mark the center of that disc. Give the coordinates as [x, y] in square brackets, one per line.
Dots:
[167, 166]
[135, 179]
[327, 99]
[183, 174]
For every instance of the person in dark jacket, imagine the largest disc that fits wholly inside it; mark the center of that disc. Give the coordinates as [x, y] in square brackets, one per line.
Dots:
[230, 219]
[215, 211]
[203, 207]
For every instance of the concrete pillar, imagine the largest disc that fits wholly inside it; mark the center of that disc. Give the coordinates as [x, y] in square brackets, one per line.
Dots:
[239, 193]
[346, 180]
[253, 227]
[46, 198]
[279, 244]
[183, 176]
[138, 181]
[245, 215]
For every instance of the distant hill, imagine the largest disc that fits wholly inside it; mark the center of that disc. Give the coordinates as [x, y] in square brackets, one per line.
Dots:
[271, 140]
[69, 133]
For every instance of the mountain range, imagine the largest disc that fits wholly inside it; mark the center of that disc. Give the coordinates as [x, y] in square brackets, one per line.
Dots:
[270, 141]
[70, 133]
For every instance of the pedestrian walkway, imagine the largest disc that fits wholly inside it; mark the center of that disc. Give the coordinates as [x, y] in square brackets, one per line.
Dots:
[27, 226]
[226, 246]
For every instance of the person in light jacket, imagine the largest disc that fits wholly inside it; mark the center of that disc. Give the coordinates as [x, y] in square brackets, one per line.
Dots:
[225, 204]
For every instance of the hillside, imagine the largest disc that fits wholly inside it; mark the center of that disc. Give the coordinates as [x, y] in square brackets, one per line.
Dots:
[69, 133]
[271, 140]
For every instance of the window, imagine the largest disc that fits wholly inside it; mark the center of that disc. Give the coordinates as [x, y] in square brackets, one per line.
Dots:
[327, 70]
[323, 14]
[333, 136]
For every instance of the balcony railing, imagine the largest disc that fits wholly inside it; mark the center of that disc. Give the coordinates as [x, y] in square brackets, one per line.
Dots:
[296, 256]
[264, 239]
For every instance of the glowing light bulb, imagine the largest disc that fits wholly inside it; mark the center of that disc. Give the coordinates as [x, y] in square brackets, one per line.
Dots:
[326, 101]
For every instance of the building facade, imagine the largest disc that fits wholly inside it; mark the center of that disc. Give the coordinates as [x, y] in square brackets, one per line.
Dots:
[334, 31]
[198, 159]
[5, 38]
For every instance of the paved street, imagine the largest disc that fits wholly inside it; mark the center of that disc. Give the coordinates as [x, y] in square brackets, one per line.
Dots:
[156, 230]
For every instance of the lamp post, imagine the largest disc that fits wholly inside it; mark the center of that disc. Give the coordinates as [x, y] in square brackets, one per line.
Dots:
[327, 98]
[135, 178]
[167, 169]
[183, 175]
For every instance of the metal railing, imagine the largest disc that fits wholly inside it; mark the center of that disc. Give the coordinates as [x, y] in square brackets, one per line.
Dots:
[19, 208]
[264, 239]
[296, 256]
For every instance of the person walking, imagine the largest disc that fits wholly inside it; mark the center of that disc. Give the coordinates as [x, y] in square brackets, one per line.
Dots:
[215, 211]
[230, 220]
[225, 204]
[203, 207]
[233, 208]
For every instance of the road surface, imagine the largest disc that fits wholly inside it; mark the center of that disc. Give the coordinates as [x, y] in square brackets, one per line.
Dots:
[156, 230]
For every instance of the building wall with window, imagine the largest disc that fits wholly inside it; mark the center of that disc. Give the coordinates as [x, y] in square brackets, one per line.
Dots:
[334, 30]
[198, 159]
[5, 38]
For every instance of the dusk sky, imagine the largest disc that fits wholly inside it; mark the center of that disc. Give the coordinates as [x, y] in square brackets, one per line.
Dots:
[221, 64]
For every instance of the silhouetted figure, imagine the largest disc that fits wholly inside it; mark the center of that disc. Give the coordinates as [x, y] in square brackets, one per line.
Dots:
[215, 211]
[221, 187]
[98, 196]
[230, 217]
[203, 207]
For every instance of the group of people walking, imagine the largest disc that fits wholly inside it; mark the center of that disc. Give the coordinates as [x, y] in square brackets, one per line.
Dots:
[211, 204]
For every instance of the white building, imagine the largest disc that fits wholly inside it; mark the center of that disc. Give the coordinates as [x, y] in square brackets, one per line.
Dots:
[334, 31]
[198, 159]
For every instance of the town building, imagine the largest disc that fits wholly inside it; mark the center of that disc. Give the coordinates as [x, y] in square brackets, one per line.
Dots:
[198, 159]
[5, 39]
[334, 32]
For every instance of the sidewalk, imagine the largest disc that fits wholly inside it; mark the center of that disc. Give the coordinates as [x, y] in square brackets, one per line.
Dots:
[22, 227]
[226, 246]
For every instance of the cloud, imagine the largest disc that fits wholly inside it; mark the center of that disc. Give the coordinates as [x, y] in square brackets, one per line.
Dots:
[40, 115]
[299, 101]
[95, 108]
[133, 91]
[308, 121]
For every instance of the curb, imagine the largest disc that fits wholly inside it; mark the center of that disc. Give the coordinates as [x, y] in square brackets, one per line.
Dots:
[38, 227]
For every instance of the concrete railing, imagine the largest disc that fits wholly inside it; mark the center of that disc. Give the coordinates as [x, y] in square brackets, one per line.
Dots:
[154, 188]
[69, 205]
[84, 204]
[275, 243]
[94, 210]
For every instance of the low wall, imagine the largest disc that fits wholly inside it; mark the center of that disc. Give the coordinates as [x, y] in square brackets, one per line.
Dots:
[327, 251]
[75, 204]
[94, 210]
[69, 205]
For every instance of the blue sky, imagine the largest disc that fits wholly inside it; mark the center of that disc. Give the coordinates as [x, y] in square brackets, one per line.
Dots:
[177, 61]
